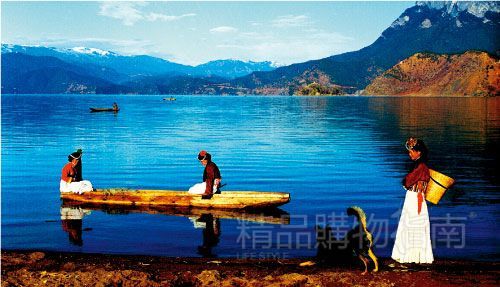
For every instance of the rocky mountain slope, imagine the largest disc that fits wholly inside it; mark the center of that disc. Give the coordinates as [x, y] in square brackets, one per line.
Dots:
[426, 74]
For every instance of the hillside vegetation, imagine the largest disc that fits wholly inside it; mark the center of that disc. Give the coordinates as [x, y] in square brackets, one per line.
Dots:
[426, 74]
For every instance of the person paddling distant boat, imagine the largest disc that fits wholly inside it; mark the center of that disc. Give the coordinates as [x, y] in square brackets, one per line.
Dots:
[211, 177]
[114, 109]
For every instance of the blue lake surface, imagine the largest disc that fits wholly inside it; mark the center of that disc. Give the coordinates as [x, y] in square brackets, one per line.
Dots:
[328, 152]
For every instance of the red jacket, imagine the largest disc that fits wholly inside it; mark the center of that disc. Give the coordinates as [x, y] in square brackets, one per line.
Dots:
[68, 172]
[210, 174]
[419, 173]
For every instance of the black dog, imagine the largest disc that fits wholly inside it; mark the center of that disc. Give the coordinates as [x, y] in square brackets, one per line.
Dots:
[357, 243]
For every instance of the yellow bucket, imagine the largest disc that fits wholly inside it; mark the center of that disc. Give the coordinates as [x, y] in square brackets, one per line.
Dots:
[437, 186]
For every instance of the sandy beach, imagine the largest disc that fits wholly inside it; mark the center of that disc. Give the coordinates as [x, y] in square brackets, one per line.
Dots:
[35, 268]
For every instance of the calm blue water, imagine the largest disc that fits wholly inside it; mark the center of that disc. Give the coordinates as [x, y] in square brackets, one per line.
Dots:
[328, 152]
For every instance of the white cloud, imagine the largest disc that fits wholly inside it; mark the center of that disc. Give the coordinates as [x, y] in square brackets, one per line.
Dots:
[330, 37]
[291, 21]
[155, 16]
[223, 29]
[286, 50]
[255, 36]
[129, 13]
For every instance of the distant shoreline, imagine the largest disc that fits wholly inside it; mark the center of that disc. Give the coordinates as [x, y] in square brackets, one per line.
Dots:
[30, 268]
[272, 95]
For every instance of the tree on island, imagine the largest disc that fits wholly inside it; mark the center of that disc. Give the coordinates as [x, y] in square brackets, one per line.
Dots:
[316, 89]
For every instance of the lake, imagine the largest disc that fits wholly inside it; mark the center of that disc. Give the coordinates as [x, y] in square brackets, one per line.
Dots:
[329, 153]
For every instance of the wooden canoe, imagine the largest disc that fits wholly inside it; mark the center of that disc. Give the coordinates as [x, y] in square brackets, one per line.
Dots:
[236, 200]
[269, 216]
[94, 110]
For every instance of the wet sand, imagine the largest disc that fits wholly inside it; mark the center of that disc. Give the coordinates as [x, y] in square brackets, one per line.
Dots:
[30, 268]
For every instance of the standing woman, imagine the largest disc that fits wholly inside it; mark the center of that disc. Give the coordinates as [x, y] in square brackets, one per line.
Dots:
[69, 175]
[413, 240]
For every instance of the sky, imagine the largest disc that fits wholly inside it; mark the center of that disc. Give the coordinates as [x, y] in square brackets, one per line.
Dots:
[197, 32]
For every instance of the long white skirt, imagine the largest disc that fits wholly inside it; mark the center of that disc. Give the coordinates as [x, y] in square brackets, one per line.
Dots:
[199, 188]
[413, 237]
[76, 187]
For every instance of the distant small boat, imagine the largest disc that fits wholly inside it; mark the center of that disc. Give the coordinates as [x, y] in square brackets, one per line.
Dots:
[95, 110]
[169, 99]
[234, 200]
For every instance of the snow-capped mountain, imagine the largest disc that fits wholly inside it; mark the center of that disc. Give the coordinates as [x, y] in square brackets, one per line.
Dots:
[131, 66]
[91, 51]
[486, 12]
[439, 27]
[444, 27]
[233, 68]
[68, 56]
[38, 50]
[101, 70]
[142, 65]
[454, 8]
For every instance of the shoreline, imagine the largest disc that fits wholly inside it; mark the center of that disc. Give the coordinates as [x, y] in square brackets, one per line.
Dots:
[35, 268]
[271, 95]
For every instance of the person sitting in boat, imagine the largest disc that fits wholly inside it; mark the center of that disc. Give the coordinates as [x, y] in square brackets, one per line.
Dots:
[69, 174]
[211, 176]
[115, 106]
[78, 168]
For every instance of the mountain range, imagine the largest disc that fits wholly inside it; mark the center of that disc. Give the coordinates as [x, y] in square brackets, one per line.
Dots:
[427, 27]
[36, 69]
[439, 27]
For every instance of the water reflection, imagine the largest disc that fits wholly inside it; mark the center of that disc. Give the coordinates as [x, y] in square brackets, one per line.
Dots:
[71, 221]
[72, 215]
[211, 233]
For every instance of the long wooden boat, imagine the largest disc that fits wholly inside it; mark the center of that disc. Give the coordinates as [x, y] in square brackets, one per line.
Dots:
[94, 110]
[237, 200]
[269, 216]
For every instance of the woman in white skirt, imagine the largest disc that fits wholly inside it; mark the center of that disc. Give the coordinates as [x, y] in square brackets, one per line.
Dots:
[413, 238]
[69, 176]
[211, 177]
